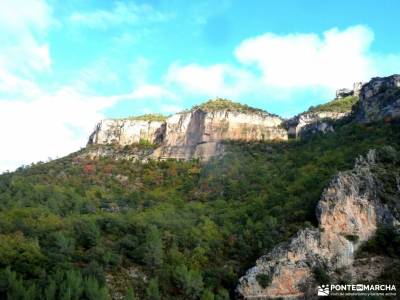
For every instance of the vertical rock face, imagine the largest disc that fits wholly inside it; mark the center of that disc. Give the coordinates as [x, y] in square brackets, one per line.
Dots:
[196, 133]
[379, 99]
[348, 214]
[199, 133]
[357, 86]
[127, 132]
[232, 125]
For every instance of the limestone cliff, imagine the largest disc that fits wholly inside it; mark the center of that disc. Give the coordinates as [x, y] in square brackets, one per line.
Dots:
[312, 122]
[199, 133]
[348, 214]
[196, 133]
[379, 99]
[127, 132]
[320, 119]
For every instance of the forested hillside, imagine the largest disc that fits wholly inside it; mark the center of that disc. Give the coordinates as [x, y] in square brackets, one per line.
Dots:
[76, 228]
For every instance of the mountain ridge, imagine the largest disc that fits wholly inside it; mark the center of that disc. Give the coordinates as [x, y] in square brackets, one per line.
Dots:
[199, 132]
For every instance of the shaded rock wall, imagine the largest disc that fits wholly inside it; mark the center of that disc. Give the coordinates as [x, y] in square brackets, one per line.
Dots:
[379, 99]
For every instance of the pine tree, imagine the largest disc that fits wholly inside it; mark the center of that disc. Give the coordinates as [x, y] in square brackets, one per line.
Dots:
[50, 291]
[153, 292]
[153, 249]
[130, 295]
[93, 291]
[71, 288]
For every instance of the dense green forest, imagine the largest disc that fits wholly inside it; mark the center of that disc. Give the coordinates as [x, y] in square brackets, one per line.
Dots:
[74, 228]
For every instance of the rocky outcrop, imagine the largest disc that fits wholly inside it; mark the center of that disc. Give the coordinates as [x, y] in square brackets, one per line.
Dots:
[357, 86]
[348, 214]
[313, 122]
[320, 119]
[197, 133]
[127, 132]
[342, 93]
[379, 100]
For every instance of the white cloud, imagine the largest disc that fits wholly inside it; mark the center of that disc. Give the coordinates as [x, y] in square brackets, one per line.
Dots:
[279, 66]
[336, 59]
[147, 91]
[35, 123]
[210, 81]
[24, 24]
[25, 15]
[14, 85]
[122, 13]
[52, 125]
[56, 124]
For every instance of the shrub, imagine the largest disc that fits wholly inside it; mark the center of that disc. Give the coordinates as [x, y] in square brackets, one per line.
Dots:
[87, 233]
[149, 117]
[225, 104]
[385, 242]
[263, 280]
[352, 238]
[320, 275]
[387, 154]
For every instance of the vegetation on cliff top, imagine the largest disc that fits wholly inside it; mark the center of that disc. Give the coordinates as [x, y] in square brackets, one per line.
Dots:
[341, 105]
[169, 229]
[225, 104]
[149, 117]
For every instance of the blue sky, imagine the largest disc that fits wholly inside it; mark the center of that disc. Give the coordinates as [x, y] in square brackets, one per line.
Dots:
[66, 64]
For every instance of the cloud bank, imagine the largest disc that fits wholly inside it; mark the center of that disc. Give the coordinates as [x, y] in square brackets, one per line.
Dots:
[284, 64]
